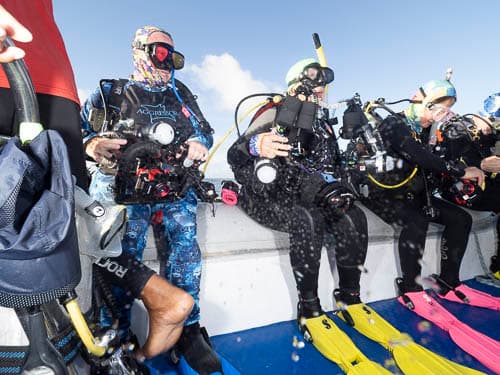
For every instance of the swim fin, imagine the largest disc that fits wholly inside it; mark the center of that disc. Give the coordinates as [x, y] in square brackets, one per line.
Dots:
[225, 369]
[464, 294]
[474, 297]
[411, 358]
[335, 345]
[485, 349]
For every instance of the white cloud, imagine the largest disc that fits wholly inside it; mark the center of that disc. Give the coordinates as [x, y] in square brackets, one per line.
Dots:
[221, 82]
[224, 75]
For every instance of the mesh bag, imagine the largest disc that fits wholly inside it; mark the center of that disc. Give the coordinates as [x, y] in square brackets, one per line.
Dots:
[39, 258]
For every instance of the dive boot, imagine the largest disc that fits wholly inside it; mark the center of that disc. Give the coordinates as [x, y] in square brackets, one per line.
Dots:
[344, 299]
[495, 266]
[402, 289]
[443, 289]
[463, 294]
[194, 354]
[100, 226]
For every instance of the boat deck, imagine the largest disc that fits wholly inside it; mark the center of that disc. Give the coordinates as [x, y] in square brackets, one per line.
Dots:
[270, 349]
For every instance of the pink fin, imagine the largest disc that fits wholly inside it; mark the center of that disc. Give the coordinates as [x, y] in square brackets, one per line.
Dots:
[475, 297]
[485, 349]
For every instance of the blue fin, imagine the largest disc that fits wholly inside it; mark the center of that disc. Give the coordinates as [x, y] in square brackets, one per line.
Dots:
[227, 368]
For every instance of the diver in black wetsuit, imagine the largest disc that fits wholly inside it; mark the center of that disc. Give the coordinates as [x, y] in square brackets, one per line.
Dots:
[295, 197]
[482, 152]
[412, 206]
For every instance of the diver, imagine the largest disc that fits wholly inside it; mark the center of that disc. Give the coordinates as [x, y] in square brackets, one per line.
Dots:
[491, 164]
[286, 163]
[145, 138]
[480, 150]
[412, 206]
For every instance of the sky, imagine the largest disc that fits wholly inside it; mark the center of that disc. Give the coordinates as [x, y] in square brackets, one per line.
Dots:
[385, 48]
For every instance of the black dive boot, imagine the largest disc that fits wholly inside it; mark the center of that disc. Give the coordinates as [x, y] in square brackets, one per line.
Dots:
[442, 288]
[346, 298]
[308, 307]
[343, 299]
[495, 264]
[195, 346]
[402, 289]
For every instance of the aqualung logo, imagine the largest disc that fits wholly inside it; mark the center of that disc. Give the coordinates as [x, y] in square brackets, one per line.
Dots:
[157, 112]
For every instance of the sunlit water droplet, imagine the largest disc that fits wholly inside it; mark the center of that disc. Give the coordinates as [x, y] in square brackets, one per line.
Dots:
[424, 326]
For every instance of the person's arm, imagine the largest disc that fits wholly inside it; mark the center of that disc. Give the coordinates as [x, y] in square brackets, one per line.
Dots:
[483, 124]
[10, 27]
[93, 101]
[199, 142]
[201, 135]
[261, 144]
[397, 135]
[97, 147]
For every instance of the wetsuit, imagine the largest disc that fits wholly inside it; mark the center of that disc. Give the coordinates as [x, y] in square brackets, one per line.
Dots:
[289, 204]
[404, 206]
[175, 221]
[489, 200]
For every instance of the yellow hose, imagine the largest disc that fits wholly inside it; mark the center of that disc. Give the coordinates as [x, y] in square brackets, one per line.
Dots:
[82, 329]
[221, 141]
[398, 185]
[321, 57]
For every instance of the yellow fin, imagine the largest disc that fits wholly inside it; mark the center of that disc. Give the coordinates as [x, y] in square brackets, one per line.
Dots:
[335, 345]
[411, 358]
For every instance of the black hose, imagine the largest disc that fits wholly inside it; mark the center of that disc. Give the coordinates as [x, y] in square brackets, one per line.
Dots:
[271, 94]
[480, 118]
[402, 101]
[106, 293]
[22, 88]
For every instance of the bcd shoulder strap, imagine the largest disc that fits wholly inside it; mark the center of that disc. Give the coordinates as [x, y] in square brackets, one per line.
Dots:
[190, 100]
[114, 98]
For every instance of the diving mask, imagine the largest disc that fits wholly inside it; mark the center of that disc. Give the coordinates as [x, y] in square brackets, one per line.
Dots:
[163, 56]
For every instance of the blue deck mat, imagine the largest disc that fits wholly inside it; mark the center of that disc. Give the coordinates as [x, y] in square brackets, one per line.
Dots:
[270, 349]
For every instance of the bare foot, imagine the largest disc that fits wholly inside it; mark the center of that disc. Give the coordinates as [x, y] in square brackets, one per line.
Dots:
[168, 307]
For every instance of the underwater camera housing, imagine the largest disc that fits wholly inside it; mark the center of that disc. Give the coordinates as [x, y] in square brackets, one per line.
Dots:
[356, 124]
[151, 167]
[295, 120]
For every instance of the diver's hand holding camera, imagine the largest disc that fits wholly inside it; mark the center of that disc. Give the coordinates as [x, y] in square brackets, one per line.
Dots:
[100, 148]
[271, 145]
[196, 151]
[474, 174]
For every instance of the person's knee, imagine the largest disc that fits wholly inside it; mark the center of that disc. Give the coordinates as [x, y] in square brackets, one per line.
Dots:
[418, 224]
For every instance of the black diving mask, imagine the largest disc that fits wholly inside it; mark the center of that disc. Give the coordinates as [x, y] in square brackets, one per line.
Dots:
[163, 56]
